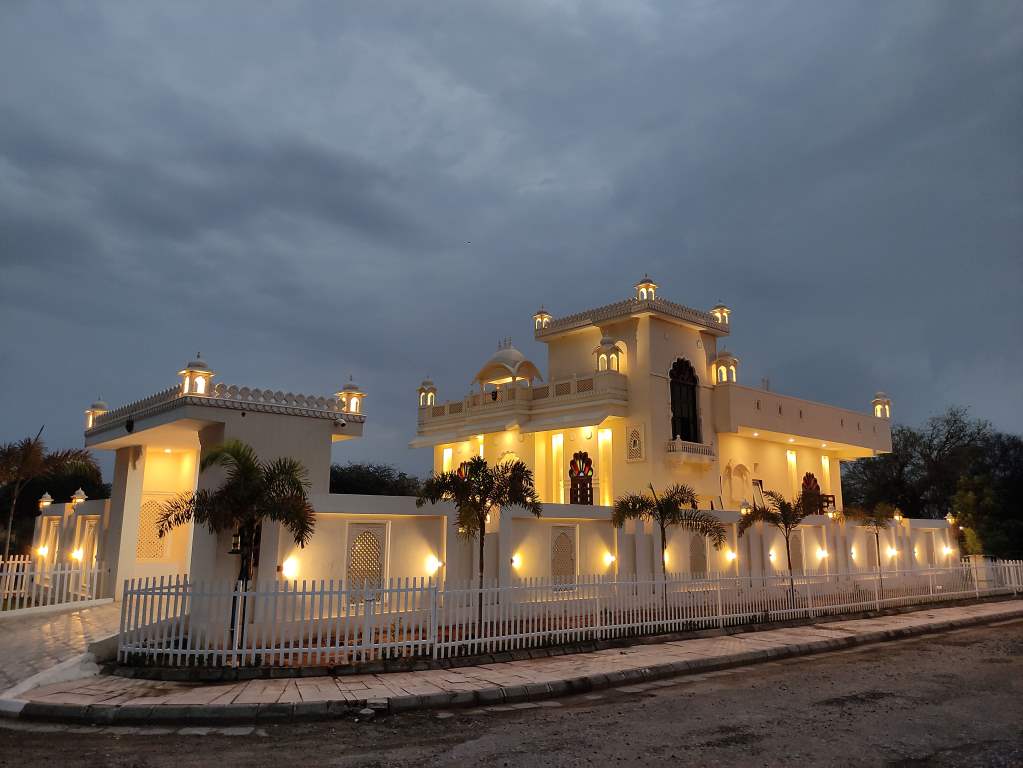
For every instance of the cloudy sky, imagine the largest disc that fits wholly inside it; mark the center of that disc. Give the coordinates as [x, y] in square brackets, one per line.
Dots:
[303, 191]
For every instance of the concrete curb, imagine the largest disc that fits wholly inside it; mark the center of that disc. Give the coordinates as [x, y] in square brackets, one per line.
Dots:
[44, 610]
[100, 714]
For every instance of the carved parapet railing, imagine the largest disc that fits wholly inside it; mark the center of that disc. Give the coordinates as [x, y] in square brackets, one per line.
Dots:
[231, 397]
[629, 307]
[683, 450]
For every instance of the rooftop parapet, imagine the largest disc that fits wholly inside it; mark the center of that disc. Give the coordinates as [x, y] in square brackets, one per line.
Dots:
[621, 309]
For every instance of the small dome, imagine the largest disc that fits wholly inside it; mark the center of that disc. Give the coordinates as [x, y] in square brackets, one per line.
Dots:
[647, 280]
[880, 396]
[507, 364]
[725, 355]
[198, 364]
[426, 383]
[99, 405]
[350, 386]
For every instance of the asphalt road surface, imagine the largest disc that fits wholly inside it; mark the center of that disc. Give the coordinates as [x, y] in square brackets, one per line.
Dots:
[954, 699]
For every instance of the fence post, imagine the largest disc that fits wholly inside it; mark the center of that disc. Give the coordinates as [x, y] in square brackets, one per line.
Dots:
[809, 597]
[877, 591]
[721, 612]
[434, 646]
[238, 625]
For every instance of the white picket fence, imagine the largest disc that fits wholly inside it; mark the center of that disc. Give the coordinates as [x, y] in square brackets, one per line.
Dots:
[27, 583]
[176, 622]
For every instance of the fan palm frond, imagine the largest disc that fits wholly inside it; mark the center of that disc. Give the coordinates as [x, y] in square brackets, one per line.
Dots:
[632, 506]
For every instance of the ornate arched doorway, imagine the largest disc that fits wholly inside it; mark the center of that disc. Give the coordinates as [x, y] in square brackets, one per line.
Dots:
[685, 416]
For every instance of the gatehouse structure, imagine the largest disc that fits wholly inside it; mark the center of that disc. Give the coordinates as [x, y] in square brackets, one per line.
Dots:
[639, 392]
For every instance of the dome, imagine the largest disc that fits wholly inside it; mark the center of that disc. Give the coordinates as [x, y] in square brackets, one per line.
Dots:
[99, 405]
[426, 383]
[351, 386]
[198, 364]
[880, 396]
[724, 355]
[507, 364]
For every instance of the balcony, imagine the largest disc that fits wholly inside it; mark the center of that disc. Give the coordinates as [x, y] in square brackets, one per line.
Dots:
[682, 452]
[528, 407]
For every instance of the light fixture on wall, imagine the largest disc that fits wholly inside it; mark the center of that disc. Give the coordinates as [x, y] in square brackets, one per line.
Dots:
[852, 552]
[771, 555]
[892, 551]
[432, 565]
[45, 500]
[745, 508]
[822, 553]
[78, 554]
[950, 519]
[897, 517]
[730, 555]
[78, 497]
[44, 550]
[608, 559]
[946, 550]
[236, 543]
[289, 568]
[516, 561]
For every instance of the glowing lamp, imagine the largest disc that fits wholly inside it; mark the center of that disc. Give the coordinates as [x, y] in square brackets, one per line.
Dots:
[897, 517]
[289, 568]
[432, 565]
[608, 559]
[892, 551]
[730, 555]
[745, 508]
[78, 497]
[946, 550]
[45, 500]
[822, 553]
[852, 552]
[516, 561]
[77, 555]
[770, 555]
[44, 550]
[950, 518]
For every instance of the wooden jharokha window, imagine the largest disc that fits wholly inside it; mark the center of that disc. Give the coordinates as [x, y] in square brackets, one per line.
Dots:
[580, 473]
[685, 416]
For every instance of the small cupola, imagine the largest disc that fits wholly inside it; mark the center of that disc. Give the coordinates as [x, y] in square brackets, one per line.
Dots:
[351, 397]
[427, 393]
[882, 405]
[726, 368]
[507, 366]
[609, 355]
[98, 408]
[646, 289]
[721, 313]
[541, 319]
[196, 378]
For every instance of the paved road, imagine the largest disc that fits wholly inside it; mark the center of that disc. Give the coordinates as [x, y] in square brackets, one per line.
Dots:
[954, 699]
[31, 644]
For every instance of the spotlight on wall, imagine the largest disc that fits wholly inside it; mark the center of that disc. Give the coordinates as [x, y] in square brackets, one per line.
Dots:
[852, 552]
[771, 555]
[946, 550]
[44, 550]
[608, 559]
[45, 500]
[892, 551]
[516, 561]
[432, 565]
[730, 555]
[289, 568]
[822, 553]
[78, 554]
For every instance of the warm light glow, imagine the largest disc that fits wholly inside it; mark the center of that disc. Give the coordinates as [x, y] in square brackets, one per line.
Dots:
[665, 557]
[289, 568]
[200, 385]
[770, 555]
[45, 500]
[604, 467]
[824, 445]
[946, 550]
[897, 516]
[852, 552]
[608, 559]
[588, 434]
[166, 450]
[756, 434]
[44, 550]
[445, 462]
[479, 438]
[792, 439]
[730, 554]
[432, 565]
[78, 554]
[892, 551]
[516, 561]
[822, 553]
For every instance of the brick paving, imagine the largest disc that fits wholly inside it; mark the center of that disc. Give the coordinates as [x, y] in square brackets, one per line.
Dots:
[113, 699]
[34, 643]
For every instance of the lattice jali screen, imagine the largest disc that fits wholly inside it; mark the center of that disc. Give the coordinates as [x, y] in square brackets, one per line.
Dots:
[149, 545]
[366, 559]
[563, 555]
[635, 443]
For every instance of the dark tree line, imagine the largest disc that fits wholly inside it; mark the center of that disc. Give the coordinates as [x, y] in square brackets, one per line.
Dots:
[372, 480]
[952, 464]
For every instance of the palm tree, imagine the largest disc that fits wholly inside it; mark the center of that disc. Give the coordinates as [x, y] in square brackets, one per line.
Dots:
[675, 508]
[478, 489]
[876, 521]
[786, 516]
[27, 459]
[253, 491]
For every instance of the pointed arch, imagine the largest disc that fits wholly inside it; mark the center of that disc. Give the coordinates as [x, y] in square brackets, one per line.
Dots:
[685, 415]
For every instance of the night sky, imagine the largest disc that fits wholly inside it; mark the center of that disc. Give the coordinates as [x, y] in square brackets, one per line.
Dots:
[307, 191]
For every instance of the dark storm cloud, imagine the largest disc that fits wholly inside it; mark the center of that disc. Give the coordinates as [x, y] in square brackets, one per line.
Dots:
[388, 189]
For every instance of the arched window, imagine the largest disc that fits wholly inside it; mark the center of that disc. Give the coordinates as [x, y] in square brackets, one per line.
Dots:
[796, 552]
[188, 384]
[430, 398]
[731, 372]
[562, 556]
[614, 361]
[642, 293]
[602, 362]
[422, 398]
[353, 404]
[200, 385]
[580, 473]
[722, 374]
[878, 410]
[685, 421]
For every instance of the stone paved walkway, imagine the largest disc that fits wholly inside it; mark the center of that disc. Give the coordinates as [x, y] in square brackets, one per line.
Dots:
[34, 643]
[117, 699]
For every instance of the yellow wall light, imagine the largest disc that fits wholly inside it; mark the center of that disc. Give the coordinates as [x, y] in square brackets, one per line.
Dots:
[822, 553]
[608, 559]
[432, 565]
[78, 554]
[892, 551]
[516, 561]
[44, 550]
[771, 555]
[289, 568]
[730, 555]
[946, 550]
